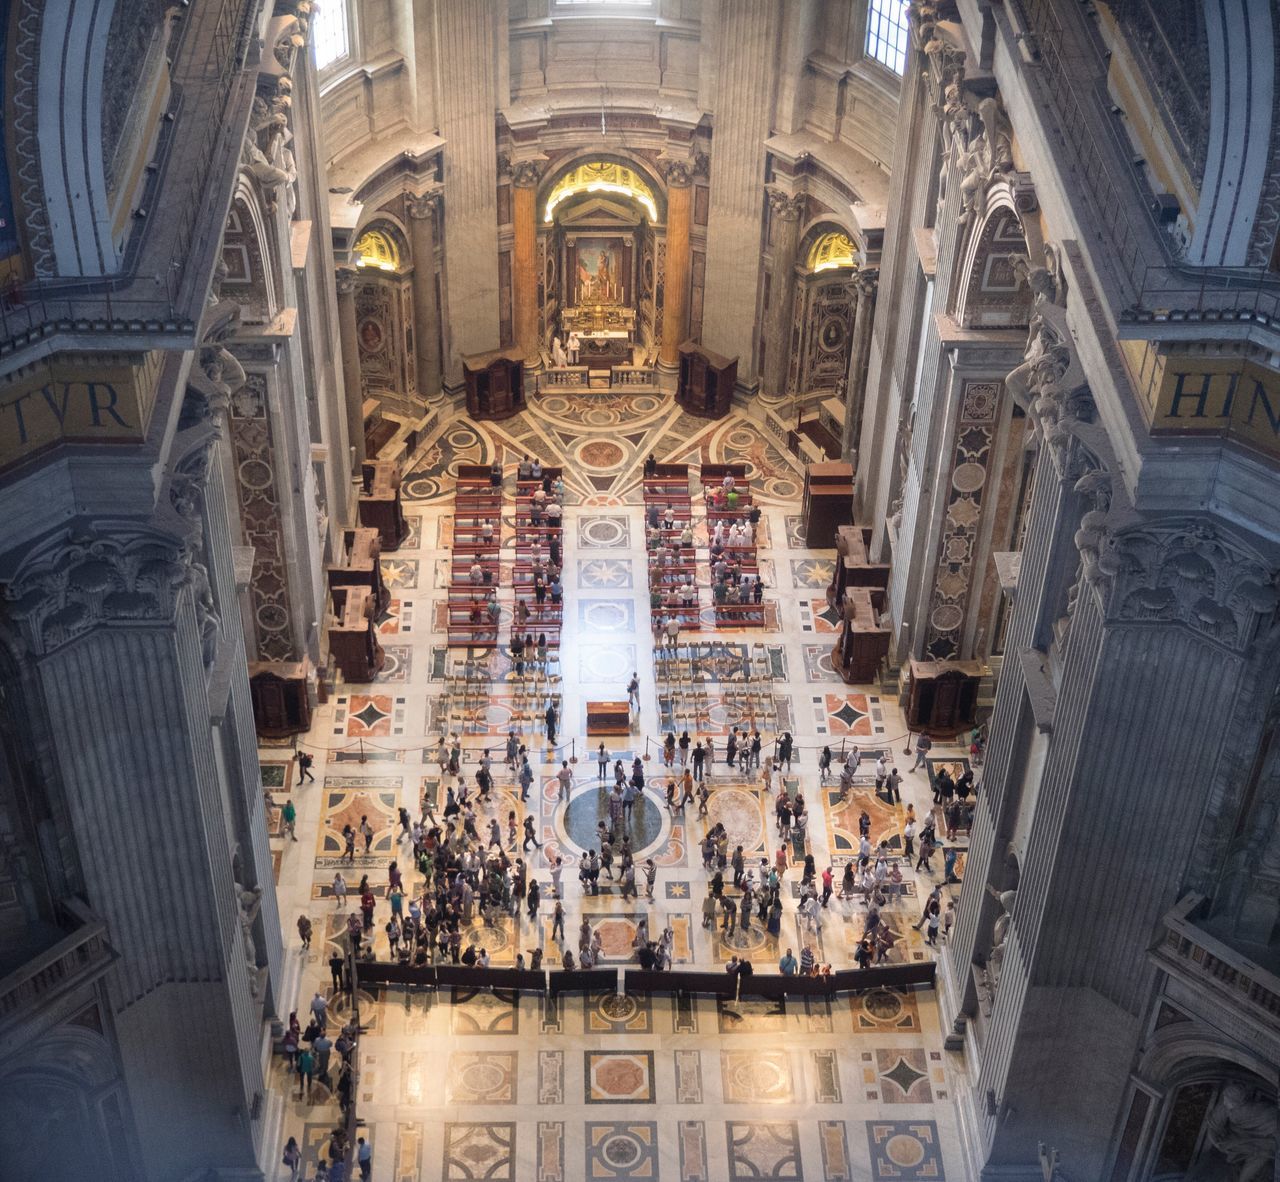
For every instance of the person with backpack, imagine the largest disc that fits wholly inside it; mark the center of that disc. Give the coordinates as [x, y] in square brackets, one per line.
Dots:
[305, 760]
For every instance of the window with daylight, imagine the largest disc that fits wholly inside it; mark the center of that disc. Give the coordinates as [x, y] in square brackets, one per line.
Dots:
[887, 33]
[329, 32]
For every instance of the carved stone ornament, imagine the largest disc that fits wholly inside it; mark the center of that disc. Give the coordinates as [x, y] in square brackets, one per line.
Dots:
[867, 281]
[1187, 570]
[678, 173]
[421, 205]
[345, 279]
[984, 145]
[785, 205]
[65, 587]
[525, 174]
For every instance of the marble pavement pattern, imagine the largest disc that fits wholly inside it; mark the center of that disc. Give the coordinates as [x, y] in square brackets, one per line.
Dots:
[602, 1087]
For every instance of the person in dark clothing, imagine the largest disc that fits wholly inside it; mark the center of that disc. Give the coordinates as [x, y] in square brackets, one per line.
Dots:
[551, 719]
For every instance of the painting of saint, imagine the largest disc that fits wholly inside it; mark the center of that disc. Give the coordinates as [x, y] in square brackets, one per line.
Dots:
[600, 272]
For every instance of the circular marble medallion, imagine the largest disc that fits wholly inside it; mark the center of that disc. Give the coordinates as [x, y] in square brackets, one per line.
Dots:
[621, 1151]
[647, 828]
[603, 532]
[255, 474]
[739, 812]
[904, 1150]
[969, 477]
[600, 454]
[946, 617]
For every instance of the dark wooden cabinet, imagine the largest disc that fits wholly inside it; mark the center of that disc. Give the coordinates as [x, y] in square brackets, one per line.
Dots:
[380, 506]
[353, 634]
[281, 702]
[828, 502]
[854, 567]
[706, 381]
[863, 641]
[359, 565]
[495, 383]
[943, 695]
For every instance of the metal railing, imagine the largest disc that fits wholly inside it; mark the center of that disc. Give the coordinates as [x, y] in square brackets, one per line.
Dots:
[158, 290]
[1153, 285]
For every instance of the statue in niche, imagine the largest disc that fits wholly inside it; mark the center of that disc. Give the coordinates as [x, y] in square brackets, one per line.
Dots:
[207, 617]
[559, 358]
[1000, 937]
[250, 903]
[1242, 1127]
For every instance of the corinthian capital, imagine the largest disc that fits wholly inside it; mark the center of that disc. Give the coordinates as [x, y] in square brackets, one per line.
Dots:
[786, 206]
[421, 205]
[525, 174]
[678, 173]
[67, 586]
[345, 278]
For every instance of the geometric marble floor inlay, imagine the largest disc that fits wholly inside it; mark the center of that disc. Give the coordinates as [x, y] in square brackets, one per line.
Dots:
[473, 1084]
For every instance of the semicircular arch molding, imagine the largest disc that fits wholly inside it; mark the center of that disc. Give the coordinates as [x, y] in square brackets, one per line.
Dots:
[246, 257]
[993, 291]
[647, 184]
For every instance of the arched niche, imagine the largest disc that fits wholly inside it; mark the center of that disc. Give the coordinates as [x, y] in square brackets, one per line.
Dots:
[993, 292]
[823, 309]
[601, 249]
[248, 268]
[384, 308]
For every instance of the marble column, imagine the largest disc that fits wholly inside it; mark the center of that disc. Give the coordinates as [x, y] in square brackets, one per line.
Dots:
[352, 387]
[859, 356]
[524, 271]
[426, 312]
[675, 312]
[784, 210]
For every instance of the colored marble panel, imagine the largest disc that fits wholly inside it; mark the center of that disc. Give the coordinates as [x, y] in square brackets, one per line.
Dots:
[622, 1150]
[833, 1140]
[904, 1151]
[481, 1077]
[476, 1012]
[904, 1076]
[550, 1151]
[550, 1077]
[826, 1076]
[618, 1077]
[763, 1149]
[475, 1151]
[692, 1139]
[880, 1010]
[688, 1077]
[757, 1077]
[408, 1163]
[615, 1013]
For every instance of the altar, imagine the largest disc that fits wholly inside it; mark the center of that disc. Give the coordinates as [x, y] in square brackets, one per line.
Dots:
[605, 333]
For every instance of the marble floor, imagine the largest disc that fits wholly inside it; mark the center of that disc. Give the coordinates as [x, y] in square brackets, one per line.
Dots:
[606, 1087]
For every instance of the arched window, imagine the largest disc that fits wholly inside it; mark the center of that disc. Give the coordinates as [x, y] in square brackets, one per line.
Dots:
[887, 33]
[330, 32]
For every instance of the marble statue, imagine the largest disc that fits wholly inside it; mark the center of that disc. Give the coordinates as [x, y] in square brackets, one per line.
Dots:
[1242, 1127]
[559, 357]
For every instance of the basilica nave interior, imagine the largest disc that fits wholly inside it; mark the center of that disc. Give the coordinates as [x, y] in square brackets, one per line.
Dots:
[851, 426]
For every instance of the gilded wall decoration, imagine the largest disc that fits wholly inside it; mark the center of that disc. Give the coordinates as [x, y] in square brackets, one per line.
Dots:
[958, 545]
[822, 332]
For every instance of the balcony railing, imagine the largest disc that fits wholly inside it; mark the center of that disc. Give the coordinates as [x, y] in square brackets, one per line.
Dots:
[166, 268]
[1152, 285]
[81, 955]
[1188, 950]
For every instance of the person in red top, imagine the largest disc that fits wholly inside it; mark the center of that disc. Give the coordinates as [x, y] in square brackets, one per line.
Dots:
[827, 887]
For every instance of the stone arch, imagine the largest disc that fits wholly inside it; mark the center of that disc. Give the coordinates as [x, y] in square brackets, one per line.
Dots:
[249, 272]
[642, 168]
[384, 224]
[64, 1100]
[823, 308]
[993, 290]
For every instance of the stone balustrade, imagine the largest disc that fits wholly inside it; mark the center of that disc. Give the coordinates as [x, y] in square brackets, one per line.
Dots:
[1188, 952]
[566, 377]
[626, 376]
[82, 954]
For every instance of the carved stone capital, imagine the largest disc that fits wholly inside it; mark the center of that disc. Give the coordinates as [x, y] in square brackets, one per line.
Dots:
[422, 205]
[678, 173]
[867, 281]
[345, 278]
[68, 586]
[786, 206]
[525, 174]
[1189, 571]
